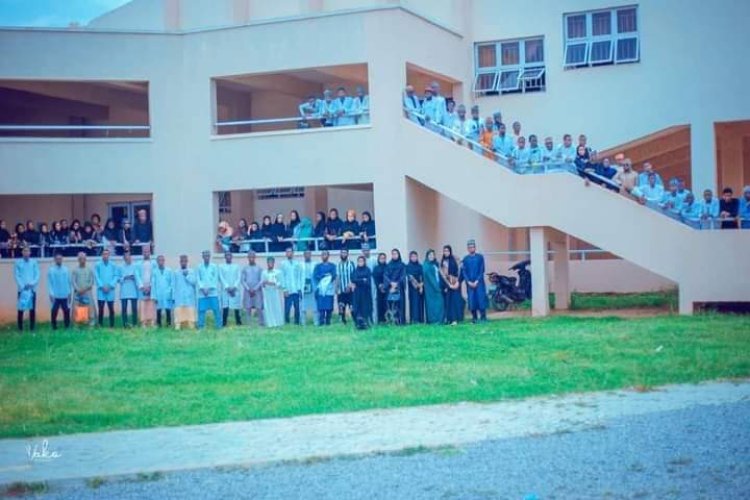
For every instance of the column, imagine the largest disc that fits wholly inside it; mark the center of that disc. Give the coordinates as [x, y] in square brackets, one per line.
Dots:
[702, 155]
[685, 302]
[561, 265]
[389, 196]
[539, 277]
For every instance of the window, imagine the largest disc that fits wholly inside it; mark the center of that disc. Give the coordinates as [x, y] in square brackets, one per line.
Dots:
[127, 210]
[601, 37]
[510, 66]
[225, 202]
[275, 193]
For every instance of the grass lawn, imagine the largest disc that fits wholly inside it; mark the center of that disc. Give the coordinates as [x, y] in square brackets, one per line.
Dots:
[82, 381]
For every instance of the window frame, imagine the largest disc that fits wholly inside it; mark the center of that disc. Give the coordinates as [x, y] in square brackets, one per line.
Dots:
[589, 39]
[522, 85]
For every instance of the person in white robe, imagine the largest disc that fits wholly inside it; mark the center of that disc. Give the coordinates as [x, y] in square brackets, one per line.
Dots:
[273, 295]
[162, 291]
[231, 289]
[362, 106]
[342, 109]
[412, 106]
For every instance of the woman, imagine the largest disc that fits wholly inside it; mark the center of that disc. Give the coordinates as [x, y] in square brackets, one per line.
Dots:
[377, 275]
[333, 230]
[240, 236]
[582, 162]
[75, 238]
[302, 234]
[224, 237]
[433, 290]
[255, 234]
[45, 240]
[393, 281]
[273, 296]
[88, 237]
[350, 231]
[109, 235]
[59, 238]
[278, 234]
[4, 239]
[319, 232]
[294, 221]
[266, 231]
[361, 284]
[415, 278]
[454, 311]
[367, 229]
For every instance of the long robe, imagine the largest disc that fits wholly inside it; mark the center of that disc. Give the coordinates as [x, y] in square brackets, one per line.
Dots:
[473, 270]
[377, 277]
[361, 277]
[273, 298]
[230, 277]
[324, 276]
[415, 278]
[454, 302]
[395, 274]
[162, 288]
[433, 293]
[251, 284]
[146, 303]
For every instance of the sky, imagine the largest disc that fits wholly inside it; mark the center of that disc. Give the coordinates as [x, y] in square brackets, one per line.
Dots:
[54, 13]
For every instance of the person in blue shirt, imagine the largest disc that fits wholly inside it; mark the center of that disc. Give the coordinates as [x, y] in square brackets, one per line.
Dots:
[60, 289]
[127, 278]
[323, 283]
[648, 169]
[671, 204]
[744, 211]
[412, 106]
[162, 286]
[26, 273]
[342, 109]
[292, 284]
[502, 143]
[207, 276]
[691, 212]
[184, 295]
[709, 207]
[472, 272]
[106, 275]
[362, 106]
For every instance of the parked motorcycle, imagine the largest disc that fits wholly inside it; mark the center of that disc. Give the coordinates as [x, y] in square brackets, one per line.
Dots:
[507, 290]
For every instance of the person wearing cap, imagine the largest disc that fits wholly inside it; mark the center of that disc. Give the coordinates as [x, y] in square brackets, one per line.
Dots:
[252, 286]
[709, 209]
[26, 274]
[472, 273]
[361, 106]
[273, 296]
[231, 291]
[207, 278]
[412, 106]
[342, 109]
[691, 212]
[184, 295]
[474, 128]
[744, 211]
[432, 109]
[162, 291]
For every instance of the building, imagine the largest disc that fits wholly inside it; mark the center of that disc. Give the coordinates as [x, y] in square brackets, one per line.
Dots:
[179, 106]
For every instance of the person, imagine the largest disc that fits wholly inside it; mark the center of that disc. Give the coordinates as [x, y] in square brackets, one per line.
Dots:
[184, 294]
[324, 278]
[651, 193]
[671, 203]
[26, 273]
[691, 212]
[308, 294]
[292, 285]
[350, 231]
[728, 209]
[450, 115]
[319, 232]
[460, 123]
[549, 153]
[126, 238]
[486, 138]
[435, 88]
[433, 290]
[367, 229]
[84, 281]
[415, 282]
[106, 276]
[648, 169]
[566, 152]
[110, 235]
[272, 295]
[516, 131]
[378, 275]
[583, 143]
[309, 110]
[293, 223]
[432, 110]
[89, 238]
[252, 288]
[394, 279]
[333, 230]
[144, 274]
[451, 276]
[143, 232]
[325, 108]
[497, 120]
[412, 106]
[361, 106]
[225, 236]
[255, 235]
[744, 210]
[230, 278]
[267, 234]
[371, 262]
[59, 288]
[502, 144]
[361, 286]
[521, 157]
[474, 128]
[472, 272]
[4, 239]
[342, 109]
[31, 237]
[343, 276]
[162, 291]
[239, 242]
[709, 207]
[535, 152]
[45, 240]
[628, 178]
[126, 277]
[207, 280]
[278, 234]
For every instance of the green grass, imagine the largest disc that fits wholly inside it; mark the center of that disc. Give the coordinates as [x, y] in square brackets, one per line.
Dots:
[83, 381]
[613, 301]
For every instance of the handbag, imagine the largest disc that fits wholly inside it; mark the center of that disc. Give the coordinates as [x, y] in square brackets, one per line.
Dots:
[81, 313]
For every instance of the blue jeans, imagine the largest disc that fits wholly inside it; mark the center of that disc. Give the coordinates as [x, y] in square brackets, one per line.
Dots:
[206, 303]
[291, 300]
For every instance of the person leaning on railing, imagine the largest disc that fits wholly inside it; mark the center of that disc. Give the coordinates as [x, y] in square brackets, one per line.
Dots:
[744, 210]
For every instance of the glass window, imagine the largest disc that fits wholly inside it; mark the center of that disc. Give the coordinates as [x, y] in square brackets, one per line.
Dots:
[626, 21]
[509, 66]
[534, 51]
[510, 54]
[601, 37]
[601, 23]
[486, 56]
[577, 26]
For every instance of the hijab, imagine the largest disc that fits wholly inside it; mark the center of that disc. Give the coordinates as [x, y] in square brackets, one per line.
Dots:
[414, 269]
[452, 263]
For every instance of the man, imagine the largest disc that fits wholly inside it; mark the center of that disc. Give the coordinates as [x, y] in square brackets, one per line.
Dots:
[162, 291]
[325, 107]
[128, 290]
[460, 124]
[142, 232]
[516, 132]
[628, 178]
[371, 262]
[472, 272]
[497, 119]
[344, 270]
[535, 152]
[435, 88]
[83, 286]
[342, 109]
[502, 144]
[474, 128]
[230, 278]
[566, 152]
[728, 209]
[583, 143]
[105, 274]
[324, 278]
[521, 157]
[59, 289]
[450, 115]
[32, 238]
[432, 109]
[292, 284]
[647, 170]
[672, 202]
[184, 295]
[709, 208]
[549, 153]
[412, 106]
[252, 285]
[144, 280]
[26, 273]
[652, 193]
[309, 110]
[308, 297]
[362, 106]
[744, 210]
[207, 276]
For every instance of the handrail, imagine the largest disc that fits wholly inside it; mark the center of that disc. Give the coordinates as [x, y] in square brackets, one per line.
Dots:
[316, 240]
[75, 127]
[260, 121]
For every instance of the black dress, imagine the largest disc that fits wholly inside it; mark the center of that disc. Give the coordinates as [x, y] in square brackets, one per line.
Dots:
[362, 297]
[395, 274]
[378, 275]
[415, 278]
[454, 302]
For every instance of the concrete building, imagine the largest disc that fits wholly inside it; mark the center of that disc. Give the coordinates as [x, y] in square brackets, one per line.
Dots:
[190, 108]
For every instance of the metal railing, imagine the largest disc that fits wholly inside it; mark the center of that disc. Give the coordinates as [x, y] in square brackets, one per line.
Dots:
[314, 244]
[46, 250]
[301, 122]
[106, 130]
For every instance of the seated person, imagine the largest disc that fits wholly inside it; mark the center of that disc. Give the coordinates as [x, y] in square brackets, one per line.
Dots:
[728, 209]
[709, 209]
[627, 178]
[691, 212]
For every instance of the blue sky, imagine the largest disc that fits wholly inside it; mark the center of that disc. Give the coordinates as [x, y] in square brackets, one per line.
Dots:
[53, 12]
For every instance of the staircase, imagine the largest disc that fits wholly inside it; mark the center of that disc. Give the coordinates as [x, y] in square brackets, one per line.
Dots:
[709, 266]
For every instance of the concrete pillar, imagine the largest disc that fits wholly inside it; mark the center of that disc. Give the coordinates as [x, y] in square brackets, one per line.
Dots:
[561, 265]
[685, 302]
[539, 276]
[703, 156]
[389, 195]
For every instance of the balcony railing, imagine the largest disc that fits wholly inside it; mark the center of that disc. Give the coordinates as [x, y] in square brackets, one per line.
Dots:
[83, 131]
[314, 244]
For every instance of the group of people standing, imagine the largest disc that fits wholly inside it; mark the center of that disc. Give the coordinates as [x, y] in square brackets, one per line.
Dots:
[374, 290]
[336, 111]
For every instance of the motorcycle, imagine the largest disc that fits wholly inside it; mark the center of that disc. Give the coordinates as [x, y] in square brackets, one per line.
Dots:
[507, 290]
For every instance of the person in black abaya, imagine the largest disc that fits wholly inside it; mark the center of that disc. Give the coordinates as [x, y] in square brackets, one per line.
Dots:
[319, 232]
[378, 273]
[415, 277]
[278, 234]
[361, 282]
[394, 281]
[450, 273]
